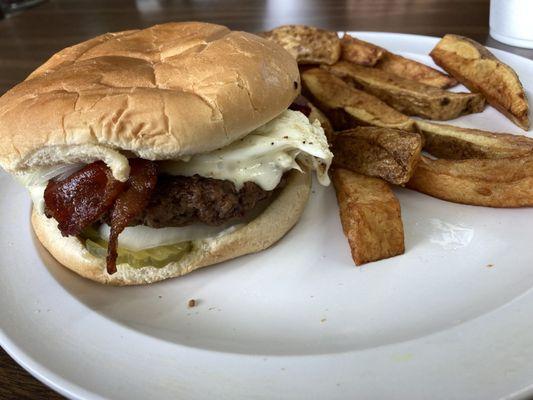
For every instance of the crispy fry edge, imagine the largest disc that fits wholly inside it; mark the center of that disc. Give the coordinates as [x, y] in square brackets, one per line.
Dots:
[370, 216]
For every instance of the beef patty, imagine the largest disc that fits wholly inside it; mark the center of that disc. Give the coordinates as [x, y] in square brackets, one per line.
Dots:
[181, 200]
[91, 195]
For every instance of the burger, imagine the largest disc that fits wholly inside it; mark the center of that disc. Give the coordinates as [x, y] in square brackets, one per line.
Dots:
[151, 153]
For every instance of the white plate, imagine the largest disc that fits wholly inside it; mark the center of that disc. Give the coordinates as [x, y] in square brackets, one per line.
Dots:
[451, 318]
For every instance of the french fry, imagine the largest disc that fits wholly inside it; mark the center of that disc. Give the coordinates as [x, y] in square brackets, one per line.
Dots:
[503, 182]
[480, 71]
[307, 44]
[370, 216]
[408, 96]
[347, 107]
[360, 52]
[370, 55]
[455, 143]
[390, 154]
[415, 71]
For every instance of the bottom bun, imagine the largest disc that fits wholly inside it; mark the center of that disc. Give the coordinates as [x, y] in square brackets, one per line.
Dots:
[262, 232]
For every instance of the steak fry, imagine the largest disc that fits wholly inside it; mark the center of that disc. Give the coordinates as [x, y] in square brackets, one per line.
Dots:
[390, 154]
[504, 182]
[480, 71]
[410, 69]
[370, 216]
[347, 107]
[408, 96]
[307, 44]
[360, 52]
[455, 143]
[367, 54]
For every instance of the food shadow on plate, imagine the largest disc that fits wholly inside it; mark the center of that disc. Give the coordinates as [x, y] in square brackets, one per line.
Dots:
[162, 310]
[108, 300]
[413, 236]
[217, 322]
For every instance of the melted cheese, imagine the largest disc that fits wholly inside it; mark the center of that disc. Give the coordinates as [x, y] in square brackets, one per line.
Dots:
[287, 142]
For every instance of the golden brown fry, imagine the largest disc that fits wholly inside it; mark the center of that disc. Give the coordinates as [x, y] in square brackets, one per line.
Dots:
[455, 143]
[360, 52]
[317, 115]
[370, 216]
[480, 71]
[307, 44]
[386, 153]
[414, 70]
[347, 107]
[408, 96]
[368, 54]
[504, 182]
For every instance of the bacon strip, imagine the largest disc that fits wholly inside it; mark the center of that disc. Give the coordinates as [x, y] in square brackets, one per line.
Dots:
[130, 203]
[79, 200]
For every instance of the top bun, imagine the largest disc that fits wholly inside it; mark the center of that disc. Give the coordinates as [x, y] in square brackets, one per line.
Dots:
[163, 92]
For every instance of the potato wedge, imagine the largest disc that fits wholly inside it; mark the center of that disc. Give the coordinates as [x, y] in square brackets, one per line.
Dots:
[370, 55]
[347, 107]
[480, 71]
[370, 216]
[307, 44]
[414, 70]
[455, 143]
[390, 154]
[360, 52]
[408, 96]
[504, 182]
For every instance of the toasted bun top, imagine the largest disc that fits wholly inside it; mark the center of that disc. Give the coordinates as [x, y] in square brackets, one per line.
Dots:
[167, 91]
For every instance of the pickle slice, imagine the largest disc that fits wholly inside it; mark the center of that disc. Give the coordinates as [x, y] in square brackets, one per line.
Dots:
[156, 257]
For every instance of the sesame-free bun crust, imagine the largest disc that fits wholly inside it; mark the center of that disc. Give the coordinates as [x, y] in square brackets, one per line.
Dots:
[270, 226]
[167, 91]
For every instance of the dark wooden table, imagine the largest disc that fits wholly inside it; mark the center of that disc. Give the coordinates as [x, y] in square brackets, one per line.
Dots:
[29, 38]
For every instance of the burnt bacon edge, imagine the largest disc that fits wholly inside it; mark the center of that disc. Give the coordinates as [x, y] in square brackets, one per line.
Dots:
[129, 204]
[79, 200]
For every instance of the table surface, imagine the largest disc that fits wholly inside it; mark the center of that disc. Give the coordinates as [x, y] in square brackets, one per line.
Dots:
[29, 38]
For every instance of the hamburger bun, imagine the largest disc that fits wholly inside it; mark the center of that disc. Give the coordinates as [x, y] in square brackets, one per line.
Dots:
[160, 93]
[164, 92]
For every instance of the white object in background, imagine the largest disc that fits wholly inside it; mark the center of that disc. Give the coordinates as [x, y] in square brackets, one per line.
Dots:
[510, 22]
